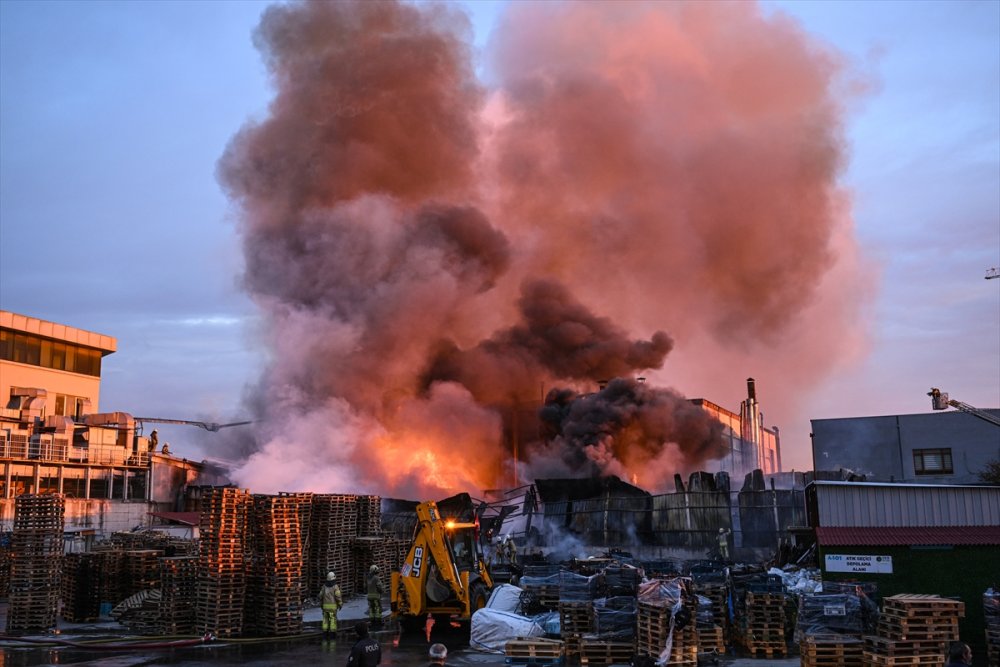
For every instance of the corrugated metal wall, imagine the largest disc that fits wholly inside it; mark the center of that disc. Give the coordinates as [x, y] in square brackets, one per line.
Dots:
[902, 506]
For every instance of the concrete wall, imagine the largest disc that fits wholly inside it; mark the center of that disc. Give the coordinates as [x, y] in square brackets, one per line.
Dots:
[102, 516]
[882, 447]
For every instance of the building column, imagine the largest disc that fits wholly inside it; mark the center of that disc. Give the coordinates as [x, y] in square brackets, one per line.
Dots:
[86, 483]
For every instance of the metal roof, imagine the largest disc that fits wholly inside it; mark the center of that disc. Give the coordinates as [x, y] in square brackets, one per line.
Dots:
[852, 504]
[933, 536]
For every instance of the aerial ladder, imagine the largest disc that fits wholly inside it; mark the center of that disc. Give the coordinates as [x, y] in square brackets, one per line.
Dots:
[940, 401]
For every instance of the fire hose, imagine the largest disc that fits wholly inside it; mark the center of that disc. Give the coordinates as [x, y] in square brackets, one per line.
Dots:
[146, 643]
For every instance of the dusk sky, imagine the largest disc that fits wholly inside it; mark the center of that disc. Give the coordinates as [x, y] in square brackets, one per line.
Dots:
[114, 115]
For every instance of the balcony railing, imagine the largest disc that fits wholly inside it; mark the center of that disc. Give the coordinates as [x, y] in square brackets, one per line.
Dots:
[58, 450]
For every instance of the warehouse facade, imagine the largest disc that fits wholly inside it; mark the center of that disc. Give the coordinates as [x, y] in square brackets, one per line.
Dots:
[909, 538]
[932, 448]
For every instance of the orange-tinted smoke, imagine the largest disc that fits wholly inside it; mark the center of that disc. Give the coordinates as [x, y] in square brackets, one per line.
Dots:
[426, 252]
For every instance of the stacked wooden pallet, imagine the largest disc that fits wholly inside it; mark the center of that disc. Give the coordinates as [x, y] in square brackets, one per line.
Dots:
[304, 504]
[36, 560]
[274, 597]
[601, 652]
[764, 635]
[659, 630]
[369, 515]
[991, 613]
[711, 640]
[534, 651]
[4, 570]
[81, 587]
[141, 570]
[914, 630]
[334, 523]
[831, 651]
[178, 588]
[575, 620]
[221, 562]
[386, 552]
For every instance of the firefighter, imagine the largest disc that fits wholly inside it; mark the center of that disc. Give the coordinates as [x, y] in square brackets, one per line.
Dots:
[724, 544]
[154, 440]
[511, 550]
[374, 595]
[331, 601]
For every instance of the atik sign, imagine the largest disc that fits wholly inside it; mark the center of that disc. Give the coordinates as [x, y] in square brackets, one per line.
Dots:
[875, 564]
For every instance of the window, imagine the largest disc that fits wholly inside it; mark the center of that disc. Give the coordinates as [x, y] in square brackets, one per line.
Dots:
[932, 462]
[37, 351]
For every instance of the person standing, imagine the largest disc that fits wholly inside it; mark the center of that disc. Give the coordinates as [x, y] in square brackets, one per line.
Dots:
[724, 544]
[366, 652]
[331, 601]
[437, 654]
[375, 588]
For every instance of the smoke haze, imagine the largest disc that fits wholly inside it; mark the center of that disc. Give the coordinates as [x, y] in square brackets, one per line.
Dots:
[639, 180]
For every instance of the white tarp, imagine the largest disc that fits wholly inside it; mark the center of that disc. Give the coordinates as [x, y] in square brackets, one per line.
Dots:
[505, 597]
[492, 629]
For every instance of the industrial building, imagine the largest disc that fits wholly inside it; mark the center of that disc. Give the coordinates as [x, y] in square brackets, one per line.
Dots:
[54, 438]
[931, 448]
[911, 538]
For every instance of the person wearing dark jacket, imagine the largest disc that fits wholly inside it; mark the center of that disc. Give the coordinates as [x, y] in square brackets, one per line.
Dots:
[366, 652]
[959, 655]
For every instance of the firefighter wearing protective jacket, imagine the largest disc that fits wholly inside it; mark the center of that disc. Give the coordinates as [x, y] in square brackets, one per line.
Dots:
[375, 589]
[331, 602]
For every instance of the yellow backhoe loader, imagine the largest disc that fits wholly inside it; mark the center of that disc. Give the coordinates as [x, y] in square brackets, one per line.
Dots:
[444, 573]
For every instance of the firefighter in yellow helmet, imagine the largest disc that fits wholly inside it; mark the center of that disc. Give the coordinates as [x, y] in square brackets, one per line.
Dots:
[375, 588]
[331, 602]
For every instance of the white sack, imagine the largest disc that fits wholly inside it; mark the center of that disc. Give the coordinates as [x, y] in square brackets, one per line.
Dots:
[505, 597]
[492, 629]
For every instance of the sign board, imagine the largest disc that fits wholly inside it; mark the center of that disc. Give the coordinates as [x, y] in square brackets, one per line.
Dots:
[872, 564]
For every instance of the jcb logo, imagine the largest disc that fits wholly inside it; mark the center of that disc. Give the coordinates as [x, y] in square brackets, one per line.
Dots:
[418, 561]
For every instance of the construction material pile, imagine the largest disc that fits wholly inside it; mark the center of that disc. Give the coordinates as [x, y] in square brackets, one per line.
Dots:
[36, 562]
[914, 629]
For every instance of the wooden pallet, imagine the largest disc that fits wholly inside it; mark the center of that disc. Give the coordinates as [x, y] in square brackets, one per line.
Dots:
[831, 651]
[602, 652]
[535, 647]
[870, 659]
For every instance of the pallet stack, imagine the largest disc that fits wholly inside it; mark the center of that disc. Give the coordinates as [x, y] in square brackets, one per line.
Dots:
[36, 561]
[601, 652]
[221, 562]
[4, 565]
[274, 595]
[334, 523]
[369, 515]
[142, 570]
[659, 630]
[831, 651]
[387, 553]
[576, 608]
[991, 614]
[764, 634]
[81, 587]
[540, 584]
[178, 589]
[534, 651]
[304, 504]
[914, 629]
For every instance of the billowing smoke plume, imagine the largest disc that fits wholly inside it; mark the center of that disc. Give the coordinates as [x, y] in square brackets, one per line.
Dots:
[430, 254]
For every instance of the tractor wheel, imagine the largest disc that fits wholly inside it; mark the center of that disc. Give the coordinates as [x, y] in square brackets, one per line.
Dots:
[478, 596]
